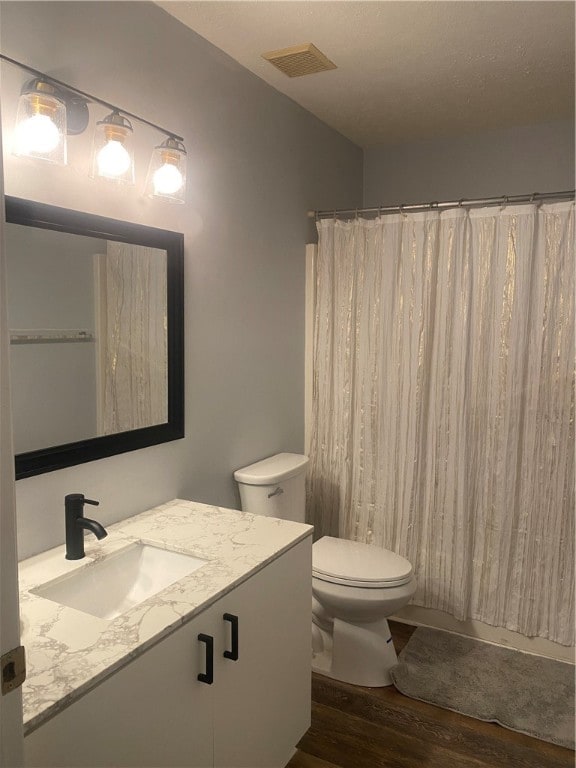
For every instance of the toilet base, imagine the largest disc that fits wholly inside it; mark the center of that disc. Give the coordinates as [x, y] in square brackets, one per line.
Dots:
[360, 654]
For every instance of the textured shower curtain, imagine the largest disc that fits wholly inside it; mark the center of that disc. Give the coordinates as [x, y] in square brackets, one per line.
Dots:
[132, 338]
[443, 405]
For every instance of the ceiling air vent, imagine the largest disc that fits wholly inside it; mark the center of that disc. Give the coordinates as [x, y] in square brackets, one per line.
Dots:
[299, 60]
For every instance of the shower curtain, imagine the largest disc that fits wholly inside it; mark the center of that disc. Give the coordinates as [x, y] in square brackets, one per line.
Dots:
[132, 338]
[443, 405]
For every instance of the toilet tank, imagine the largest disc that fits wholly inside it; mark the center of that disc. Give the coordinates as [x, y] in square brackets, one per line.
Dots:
[275, 487]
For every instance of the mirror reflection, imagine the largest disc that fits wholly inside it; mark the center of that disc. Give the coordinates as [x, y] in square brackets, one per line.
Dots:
[88, 320]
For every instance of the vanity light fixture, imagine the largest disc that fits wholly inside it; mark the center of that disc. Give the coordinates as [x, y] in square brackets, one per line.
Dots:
[50, 109]
[167, 171]
[41, 123]
[47, 114]
[112, 156]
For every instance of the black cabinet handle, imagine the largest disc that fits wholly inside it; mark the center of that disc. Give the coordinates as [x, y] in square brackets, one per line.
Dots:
[208, 676]
[233, 653]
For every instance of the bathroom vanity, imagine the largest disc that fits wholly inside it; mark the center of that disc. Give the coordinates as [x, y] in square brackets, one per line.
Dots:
[213, 670]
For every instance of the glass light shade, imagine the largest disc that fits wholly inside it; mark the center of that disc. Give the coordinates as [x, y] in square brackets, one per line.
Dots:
[112, 154]
[41, 124]
[167, 172]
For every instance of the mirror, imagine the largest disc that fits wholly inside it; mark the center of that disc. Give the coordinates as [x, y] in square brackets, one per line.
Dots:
[95, 310]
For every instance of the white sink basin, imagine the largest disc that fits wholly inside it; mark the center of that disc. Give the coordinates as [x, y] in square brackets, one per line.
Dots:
[120, 581]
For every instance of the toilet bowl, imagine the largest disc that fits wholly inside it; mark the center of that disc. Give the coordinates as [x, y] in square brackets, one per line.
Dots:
[355, 586]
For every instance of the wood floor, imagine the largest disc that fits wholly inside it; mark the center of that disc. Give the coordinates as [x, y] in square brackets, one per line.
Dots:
[355, 727]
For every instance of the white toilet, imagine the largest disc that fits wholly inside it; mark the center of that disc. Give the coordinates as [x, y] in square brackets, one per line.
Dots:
[355, 586]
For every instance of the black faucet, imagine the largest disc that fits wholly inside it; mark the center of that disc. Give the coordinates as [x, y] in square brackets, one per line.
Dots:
[76, 523]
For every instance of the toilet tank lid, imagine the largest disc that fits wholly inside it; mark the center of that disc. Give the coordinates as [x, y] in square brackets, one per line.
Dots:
[272, 470]
[352, 560]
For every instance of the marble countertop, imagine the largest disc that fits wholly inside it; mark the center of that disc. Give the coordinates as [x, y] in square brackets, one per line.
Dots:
[68, 652]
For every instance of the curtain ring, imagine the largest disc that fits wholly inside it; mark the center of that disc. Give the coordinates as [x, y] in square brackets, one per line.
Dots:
[401, 209]
[334, 214]
[533, 197]
[356, 215]
[461, 202]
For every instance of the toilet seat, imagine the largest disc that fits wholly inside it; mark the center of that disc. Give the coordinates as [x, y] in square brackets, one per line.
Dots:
[358, 582]
[354, 564]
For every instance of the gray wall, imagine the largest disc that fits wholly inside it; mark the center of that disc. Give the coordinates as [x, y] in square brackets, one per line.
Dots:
[257, 163]
[511, 161]
[51, 286]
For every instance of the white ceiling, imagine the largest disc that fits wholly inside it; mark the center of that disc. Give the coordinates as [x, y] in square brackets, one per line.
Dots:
[409, 69]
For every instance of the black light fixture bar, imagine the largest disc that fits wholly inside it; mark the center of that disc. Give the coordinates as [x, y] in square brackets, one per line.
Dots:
[88, 96]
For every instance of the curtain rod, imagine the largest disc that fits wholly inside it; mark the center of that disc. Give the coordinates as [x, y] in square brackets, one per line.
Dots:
[462, 203]
[88, 96]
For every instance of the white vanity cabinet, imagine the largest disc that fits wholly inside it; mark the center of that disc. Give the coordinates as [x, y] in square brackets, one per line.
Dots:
[155, 712]
[262, 701]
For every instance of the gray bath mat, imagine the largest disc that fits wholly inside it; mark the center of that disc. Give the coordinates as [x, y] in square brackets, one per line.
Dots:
[525, 693]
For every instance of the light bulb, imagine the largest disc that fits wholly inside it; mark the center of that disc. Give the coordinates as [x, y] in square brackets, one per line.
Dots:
[37, 134]
[167, 179]
[113, 159]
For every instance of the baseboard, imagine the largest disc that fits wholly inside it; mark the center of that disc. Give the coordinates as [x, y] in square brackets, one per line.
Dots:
[429, 617]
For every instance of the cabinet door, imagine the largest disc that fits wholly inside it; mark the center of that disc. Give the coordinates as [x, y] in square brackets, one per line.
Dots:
[152, 712]
[262, 700]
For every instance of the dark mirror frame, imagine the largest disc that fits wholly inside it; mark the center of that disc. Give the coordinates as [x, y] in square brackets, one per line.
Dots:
[32, 214]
